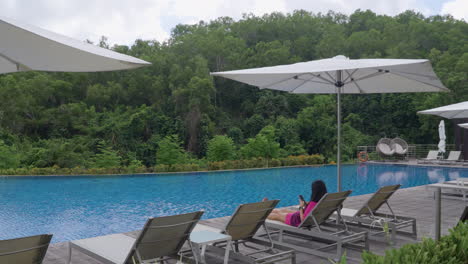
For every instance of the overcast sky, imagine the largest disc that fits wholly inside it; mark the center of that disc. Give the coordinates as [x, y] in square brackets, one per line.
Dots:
[124, 21]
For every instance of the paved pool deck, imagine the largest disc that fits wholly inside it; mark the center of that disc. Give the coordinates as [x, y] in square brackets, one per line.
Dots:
[414, 202]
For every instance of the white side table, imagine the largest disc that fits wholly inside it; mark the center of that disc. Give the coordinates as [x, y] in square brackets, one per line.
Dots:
[203, 235]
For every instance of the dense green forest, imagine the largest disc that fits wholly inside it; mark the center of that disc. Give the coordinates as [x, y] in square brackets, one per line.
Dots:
[174, 112]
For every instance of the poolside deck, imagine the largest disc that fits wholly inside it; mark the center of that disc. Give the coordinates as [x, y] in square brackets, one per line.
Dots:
[414, 202]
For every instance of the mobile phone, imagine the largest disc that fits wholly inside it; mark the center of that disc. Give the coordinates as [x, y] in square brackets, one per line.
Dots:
[301, 197]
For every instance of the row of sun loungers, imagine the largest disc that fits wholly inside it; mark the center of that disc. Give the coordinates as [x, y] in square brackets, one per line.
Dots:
[170, 236]
[433, 158]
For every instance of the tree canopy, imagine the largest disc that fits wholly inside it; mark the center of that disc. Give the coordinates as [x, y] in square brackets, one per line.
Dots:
[130, 117]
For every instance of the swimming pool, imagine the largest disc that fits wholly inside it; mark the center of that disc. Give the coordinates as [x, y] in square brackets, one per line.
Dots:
[75, 207]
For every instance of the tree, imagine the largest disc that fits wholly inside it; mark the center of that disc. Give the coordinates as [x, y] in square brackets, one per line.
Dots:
[263, 145]
[170, 151]
[106, 158]
[220, 148]
[8, 156]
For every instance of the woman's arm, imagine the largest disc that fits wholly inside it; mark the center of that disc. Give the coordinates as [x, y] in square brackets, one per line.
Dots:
[301, 209]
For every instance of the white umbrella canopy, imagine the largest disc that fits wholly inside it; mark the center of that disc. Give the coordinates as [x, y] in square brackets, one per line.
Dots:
[464, 125]
[24, 48]
[442, 137]
[458, 110]
[342, 75]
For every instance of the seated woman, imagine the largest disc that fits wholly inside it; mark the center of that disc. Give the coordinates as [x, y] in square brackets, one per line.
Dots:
[293, 217]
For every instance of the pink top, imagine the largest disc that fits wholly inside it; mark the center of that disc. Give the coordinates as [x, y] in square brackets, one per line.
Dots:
[294, 219]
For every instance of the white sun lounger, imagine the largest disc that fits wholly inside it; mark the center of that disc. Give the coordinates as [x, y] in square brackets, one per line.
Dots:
[432, 156]
[452, 187]
[453, 157]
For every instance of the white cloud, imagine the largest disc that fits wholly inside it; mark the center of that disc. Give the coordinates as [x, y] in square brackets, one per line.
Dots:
[457, 8]
[120, 20]
[189, 11]
[123, 21]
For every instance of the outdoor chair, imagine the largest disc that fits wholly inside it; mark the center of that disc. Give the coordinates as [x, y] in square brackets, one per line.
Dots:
[384, 147]
[25, 250]
[453, 157]
[318, 227]
[432, 156]
[368, 217]
[160, 239]
[242, 227]
[399, 146]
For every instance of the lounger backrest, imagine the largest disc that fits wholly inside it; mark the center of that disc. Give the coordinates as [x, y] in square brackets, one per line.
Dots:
[163, 236]
[24, 250]
[377, 199]
[432, 154]
[248, 218]
[330, 203]
[454, 155]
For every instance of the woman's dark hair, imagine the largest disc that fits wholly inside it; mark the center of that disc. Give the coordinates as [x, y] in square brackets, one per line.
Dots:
[318, 191]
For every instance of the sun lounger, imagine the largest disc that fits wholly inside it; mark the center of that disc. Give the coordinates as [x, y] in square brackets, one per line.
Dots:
[161, 238]
[319, 227]
[25, 250]
[242, 227]
[453, 157]
[456, 192]
[368, 217]
[432, 156]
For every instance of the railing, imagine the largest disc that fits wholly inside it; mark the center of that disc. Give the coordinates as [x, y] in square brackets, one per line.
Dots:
[415, 151]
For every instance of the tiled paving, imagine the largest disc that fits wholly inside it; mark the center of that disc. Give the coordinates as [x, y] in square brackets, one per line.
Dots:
[414, 202]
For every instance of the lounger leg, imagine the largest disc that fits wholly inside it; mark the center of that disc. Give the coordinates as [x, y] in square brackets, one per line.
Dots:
[69, 253]
[203, 250]
[196, 253]
[394, 231]
[226, 254]
[366, 241]
[339, 250]
[415, 230]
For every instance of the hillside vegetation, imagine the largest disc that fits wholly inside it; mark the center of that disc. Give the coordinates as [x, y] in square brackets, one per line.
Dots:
[175, 112]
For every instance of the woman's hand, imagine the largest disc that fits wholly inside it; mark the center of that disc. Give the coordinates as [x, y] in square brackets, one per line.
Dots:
[301, 203]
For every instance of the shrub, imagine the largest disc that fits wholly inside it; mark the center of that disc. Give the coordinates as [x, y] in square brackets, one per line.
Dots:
[452, 248]
[193, 165]
[170, 151]
[220, 148]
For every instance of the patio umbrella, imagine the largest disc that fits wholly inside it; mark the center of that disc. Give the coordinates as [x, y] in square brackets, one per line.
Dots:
[458, 110]
[464, 125]
[442, 137]
[340, 75]
[24, 48]
[452, 111]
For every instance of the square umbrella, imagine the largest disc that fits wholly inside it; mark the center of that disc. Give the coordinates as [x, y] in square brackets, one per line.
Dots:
[25, 47]
[341, 75]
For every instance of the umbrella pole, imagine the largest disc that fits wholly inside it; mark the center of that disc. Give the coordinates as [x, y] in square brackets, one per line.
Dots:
[339, 84]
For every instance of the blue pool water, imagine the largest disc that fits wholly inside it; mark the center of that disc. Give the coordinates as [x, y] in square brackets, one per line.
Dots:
[75, 207]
